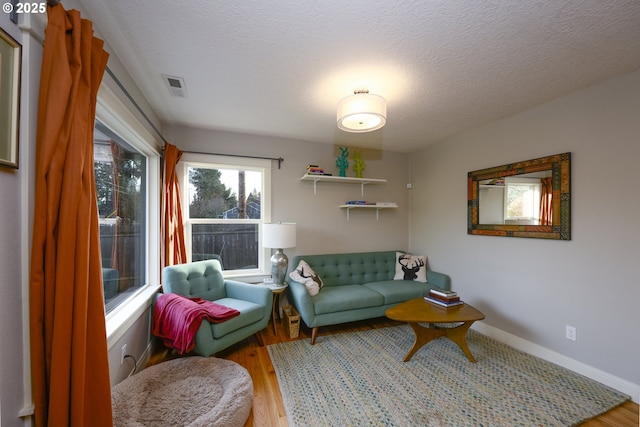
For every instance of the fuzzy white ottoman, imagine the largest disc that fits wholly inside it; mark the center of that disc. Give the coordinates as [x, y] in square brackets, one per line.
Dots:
[191, 391]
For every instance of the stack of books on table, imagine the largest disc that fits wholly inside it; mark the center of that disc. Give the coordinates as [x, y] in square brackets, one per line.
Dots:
[443, 298]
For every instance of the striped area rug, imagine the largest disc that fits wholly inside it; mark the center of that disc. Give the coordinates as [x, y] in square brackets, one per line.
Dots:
[359, 379]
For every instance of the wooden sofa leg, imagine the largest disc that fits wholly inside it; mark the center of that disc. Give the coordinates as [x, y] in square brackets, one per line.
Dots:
[258, 336]
[314, 333]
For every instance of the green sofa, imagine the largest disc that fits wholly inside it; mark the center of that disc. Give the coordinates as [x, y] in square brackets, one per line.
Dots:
[356, 286]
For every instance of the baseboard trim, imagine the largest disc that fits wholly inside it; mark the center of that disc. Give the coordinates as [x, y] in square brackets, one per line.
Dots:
[622, 385]
[144, 358]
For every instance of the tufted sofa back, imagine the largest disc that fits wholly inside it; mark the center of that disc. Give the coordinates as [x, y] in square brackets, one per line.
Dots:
[202, 279]
[351, 268]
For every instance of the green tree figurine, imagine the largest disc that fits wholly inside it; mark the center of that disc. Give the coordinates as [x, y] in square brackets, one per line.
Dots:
[341, 162]
[358, 164]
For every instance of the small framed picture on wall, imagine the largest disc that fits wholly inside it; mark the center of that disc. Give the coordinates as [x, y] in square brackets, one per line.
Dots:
[10, 63]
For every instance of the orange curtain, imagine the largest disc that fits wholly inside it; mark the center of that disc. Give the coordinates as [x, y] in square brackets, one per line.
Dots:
[546, 207]
[69, 360]
[173, 245]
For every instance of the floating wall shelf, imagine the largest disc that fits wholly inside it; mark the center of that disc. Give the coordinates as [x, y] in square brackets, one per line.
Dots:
[342, 180]
[376, 207]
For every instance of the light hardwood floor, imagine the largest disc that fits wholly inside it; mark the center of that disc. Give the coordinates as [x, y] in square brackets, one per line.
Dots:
[268, 409]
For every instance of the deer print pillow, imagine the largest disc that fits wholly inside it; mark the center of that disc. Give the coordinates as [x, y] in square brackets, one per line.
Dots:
[305, 275]
[411, 267]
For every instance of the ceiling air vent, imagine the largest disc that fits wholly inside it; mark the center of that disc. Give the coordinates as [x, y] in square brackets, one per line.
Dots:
[176, 85]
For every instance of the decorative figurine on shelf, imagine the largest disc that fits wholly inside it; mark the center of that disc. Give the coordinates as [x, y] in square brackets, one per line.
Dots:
[341, 162]
[358, 164]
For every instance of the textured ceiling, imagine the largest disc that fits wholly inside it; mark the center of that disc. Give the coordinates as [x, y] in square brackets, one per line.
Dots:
[279, 67]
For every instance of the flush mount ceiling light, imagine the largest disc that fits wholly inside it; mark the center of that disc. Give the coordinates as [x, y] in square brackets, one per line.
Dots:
[362, 112]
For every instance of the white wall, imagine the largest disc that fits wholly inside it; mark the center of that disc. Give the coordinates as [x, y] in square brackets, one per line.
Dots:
[532, 288]
[322, 226]
[15, 238]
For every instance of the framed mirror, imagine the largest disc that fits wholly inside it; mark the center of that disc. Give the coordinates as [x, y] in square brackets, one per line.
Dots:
[531, 198]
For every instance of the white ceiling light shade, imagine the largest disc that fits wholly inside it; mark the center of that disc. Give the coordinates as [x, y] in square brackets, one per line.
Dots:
[362, 112]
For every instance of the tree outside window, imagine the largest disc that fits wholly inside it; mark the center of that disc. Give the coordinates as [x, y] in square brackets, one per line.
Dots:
[224, 216]
[522, 201]
[120, 179]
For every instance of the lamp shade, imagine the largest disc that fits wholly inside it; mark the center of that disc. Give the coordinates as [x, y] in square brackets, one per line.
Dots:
[279, 235]
[362, 112]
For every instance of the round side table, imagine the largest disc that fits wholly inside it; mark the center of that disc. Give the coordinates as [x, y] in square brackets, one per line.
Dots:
[275, 309]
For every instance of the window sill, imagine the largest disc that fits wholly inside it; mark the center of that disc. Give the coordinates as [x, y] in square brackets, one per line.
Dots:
[124, 316]
[248, 278]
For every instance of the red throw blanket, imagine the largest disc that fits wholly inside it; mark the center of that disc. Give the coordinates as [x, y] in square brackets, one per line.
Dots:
[176, 319]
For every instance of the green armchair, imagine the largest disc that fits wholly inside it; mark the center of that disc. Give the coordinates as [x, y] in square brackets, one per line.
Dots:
[203, 279]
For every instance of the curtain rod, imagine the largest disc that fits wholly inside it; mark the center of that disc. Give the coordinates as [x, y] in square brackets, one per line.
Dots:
[124, 90]
[135, 104]
[278, 159]
[133, 101]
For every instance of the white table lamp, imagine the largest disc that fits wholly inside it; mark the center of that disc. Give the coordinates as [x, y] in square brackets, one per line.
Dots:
[278, 236]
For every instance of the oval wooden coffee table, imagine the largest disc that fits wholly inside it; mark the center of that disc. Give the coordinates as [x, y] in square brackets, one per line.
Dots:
[418, 311]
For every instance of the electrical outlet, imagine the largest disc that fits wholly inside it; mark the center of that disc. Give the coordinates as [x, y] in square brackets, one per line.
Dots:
[571, 333]
[124, 353]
